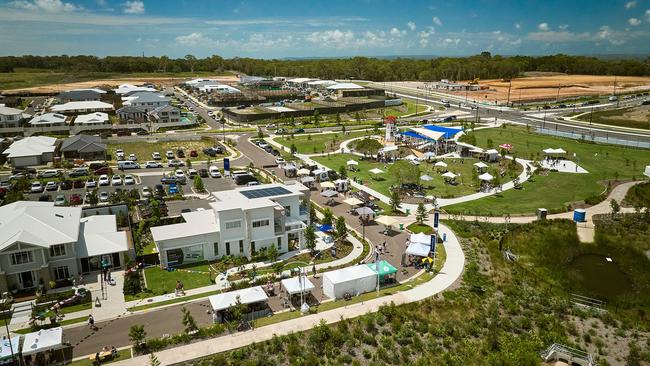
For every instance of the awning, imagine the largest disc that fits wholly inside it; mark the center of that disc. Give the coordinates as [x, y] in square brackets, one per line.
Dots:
[385, 268]
[480, 165]
[43, 340]
[352, 162]
[418, 249]
[433, 135]
[365, 211]
[376, 171]
[329, 193]
[420, 238]
[551, 151]
[296, 285]
[486, 177]
[386, 220]
[303, 171]
[441, 164]
[352, 201]
[249, 295]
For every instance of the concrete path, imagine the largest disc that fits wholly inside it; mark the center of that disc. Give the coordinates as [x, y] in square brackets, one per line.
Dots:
[449, 274]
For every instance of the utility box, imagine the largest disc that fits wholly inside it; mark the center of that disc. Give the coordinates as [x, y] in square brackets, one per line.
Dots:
[541, 213]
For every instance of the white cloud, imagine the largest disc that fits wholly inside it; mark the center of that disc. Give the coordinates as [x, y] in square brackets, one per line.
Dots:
[630, 4]
[563, 36]
[397, 33]
[563, 27]
[193, 40]
[518, 25]
[331, 38]
[634, 22]
[411, 26]
[133, 7]
[424, 42]
[647, 14]
[543, 27]
[437, 21]
[48, 6]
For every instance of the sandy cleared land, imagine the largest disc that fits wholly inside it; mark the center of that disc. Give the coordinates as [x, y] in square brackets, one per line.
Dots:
[528, 89]
[113, 83]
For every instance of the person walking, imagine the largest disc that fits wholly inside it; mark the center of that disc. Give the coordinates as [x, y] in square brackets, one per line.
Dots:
[91, 322]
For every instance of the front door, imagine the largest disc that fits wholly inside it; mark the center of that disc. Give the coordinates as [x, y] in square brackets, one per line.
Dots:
[26, 279]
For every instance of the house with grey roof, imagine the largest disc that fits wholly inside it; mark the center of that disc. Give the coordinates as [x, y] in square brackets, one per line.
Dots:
[81, 95]
[146, 100]
[131, 114]
[11, 117]
[48, 120]
[165, 114]
[85, 147]
[31, 151]
[40, 242]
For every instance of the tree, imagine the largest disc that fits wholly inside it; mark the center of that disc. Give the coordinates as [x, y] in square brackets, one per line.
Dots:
[93, 198]
[395, 200]
[293, 148]
[237, 310]
[421, 214]
[137, 335]
[368, 146]
[272, 253]
[405, 172]
[328, 217]
[310, 238]
[337, 119]
[616, 208]
[188, 321]
[317, 118]
[313, 217]
[153, 360]
[357, 117]
[341, 230]
[343, 172]
[198, 184]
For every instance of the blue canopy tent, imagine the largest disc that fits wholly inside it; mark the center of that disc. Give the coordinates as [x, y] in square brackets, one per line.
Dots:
[325, 228]
[416, 135]
[449, 132]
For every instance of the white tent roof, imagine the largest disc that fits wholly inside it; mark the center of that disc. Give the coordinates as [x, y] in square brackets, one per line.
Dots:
[386, 220]
[390, 148]
[426, 178]
[420, 238]
[418, 249]
[352, 162]
[349, 274]
[6, 348]
[554, 151]
[329, 193]
[435, 135]
[249, 295]
[440, 164]
[43, 340]
[410, 157]
[486, 177]
[449, 175]
[293, 285]
[327, 185]
[352, 201]
[376, 171]
[342, 86]
[480, 165]
[492, 152]
[429, 154]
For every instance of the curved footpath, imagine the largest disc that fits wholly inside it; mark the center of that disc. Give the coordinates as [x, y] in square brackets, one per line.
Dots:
[450, 273]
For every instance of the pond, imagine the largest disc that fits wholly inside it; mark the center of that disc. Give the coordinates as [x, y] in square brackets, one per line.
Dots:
[598, 277]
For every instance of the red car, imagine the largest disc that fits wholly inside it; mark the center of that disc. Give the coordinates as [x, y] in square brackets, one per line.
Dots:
[194, 154]
[104, 170]
[78, 183]
[75, 199]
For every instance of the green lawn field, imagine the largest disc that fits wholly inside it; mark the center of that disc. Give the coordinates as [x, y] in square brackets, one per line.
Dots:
[319, 143]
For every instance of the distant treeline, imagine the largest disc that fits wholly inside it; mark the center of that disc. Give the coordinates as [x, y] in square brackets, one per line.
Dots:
[484, 66]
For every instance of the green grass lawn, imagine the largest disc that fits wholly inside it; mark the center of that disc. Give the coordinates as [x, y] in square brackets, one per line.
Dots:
[617, 117]
[25, 78]
[318, 143]
[555, 191]
[160, 281]
[437, 186]
[420, 228]
[638, 195]
[122, 355]
[143, 150]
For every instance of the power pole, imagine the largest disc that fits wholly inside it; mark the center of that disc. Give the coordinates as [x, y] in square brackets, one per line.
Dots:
[509, 87]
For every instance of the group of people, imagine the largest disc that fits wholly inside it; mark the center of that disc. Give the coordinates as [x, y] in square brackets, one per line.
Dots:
[106, 353]
[381, 248]
[106, 276]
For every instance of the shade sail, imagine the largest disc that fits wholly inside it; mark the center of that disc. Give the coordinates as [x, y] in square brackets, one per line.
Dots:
[551, 151]
[365, 211]
[480, 165]
[486, 177]
[296, 285]
[327, 185]
[249, 295]
[418, 249]
[386, 220]
[329, 193]
[429, 154]
[352, 162]
[449, 175]
[376, 171]
[441, 164]
[303, 171]
[352, 201]
[385, 268]
[426, 178]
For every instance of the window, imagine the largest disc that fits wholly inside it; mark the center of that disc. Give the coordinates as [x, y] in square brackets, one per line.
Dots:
[253, 247]
[287, 210]
[233, 224]
[227, 248]
[21, 258]
[279, 242]
[216, 249]
[61, 273]
[57, 250]
[261, 223]
[241, 247]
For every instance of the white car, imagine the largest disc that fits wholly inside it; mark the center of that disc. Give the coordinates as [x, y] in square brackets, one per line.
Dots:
[103, 197]
[91, 183]
[214, 172]
[146, 192]
[36, 187]
[116, 180]
[119, 153]
[192, 172]
[155, 155]
[59, 200]
[132, 157]
[153, 164]
[179, 173]
[104, 180]
[169, 154]
[280, 160]
[129, 179]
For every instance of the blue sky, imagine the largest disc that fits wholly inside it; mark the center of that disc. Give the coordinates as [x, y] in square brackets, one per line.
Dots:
[276, 29]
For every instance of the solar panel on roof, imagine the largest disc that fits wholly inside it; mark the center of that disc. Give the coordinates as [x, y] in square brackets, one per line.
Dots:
[264, 192]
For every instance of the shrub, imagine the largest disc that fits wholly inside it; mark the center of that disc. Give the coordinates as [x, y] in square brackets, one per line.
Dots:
[132, 283]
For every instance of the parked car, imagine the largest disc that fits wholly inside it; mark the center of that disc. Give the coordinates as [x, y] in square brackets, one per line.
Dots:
[65, 185]
[193, 154]
[50, 173]
[44, 198]
[104, 180]
[116, 180]
[78, 172]
[173, 188]
[132, 157]
[213, 151]
[119, 153]
[299, 130]
[78, 183]
[59, 200]
[192, 173]
[152, 164]
[180, 153]
[172, 179]
[51, 186]
[129, 179]
[128, 165]
[103, 170]
[179, 173]
[169, 154]
[214, 172]
[103, 197]
[175, 163]
[36, 187]
[75, 199]
[280, 160]
[159, 190]
[156, 155]
[146, 192]
[203, 173]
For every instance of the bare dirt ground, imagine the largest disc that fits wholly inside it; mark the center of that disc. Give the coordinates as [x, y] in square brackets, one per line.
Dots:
[545, 87]
[113, 83]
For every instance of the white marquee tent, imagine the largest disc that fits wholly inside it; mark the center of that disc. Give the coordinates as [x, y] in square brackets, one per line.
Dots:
[43, 340]
[296, 285]
[418, 249]
[486, 177]
[440, 164]
[354, 280]
[249, 295]
[449, 175]
[480, 165]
